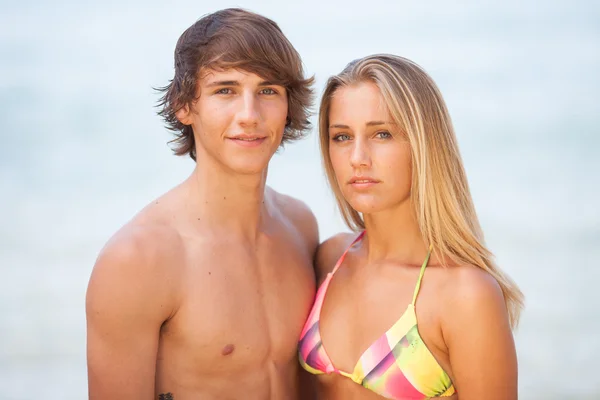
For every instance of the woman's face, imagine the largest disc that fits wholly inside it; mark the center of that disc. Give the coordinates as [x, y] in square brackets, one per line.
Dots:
[370, 154]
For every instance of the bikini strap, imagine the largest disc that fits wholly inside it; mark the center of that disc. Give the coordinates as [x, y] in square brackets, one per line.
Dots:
[421, 275]
[341, 260]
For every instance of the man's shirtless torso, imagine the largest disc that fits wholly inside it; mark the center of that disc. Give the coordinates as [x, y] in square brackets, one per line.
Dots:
[213, 315]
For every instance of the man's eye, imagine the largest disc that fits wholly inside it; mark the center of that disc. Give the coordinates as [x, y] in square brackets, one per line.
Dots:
[341, 137]
[268, 91]
[224, 91]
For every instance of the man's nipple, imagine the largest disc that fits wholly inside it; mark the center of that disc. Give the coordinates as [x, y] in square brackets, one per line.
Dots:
[228, 349]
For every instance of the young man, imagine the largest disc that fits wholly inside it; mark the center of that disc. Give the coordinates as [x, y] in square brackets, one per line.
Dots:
[203, 294]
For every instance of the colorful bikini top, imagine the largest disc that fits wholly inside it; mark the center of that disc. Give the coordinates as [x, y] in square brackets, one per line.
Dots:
[397, 366]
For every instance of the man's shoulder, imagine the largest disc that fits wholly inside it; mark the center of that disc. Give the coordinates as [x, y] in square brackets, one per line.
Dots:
[141, 242]
[296, 212]
[135, 274]
[152, 234]
[330, 251]
[289, 206]
[144, 247]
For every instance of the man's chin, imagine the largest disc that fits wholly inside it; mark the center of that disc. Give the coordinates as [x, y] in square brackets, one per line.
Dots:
[250, 168]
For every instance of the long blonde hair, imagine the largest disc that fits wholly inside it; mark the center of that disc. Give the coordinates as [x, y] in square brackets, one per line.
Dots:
[439, 190]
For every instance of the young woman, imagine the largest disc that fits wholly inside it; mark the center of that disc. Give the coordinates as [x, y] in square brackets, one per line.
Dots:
[413, 306]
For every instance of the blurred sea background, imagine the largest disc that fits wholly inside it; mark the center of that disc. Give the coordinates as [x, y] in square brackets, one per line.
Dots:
[82, 151]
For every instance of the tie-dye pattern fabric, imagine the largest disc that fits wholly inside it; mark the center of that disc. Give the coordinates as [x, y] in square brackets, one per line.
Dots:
[397, 366]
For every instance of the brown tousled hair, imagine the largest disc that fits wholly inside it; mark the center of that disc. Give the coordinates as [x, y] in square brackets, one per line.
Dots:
[240, 39]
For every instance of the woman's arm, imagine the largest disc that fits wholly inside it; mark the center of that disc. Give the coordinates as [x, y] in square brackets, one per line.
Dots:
[479, 338]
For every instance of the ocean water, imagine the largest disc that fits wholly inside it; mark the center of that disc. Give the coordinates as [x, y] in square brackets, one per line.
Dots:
[82, 151]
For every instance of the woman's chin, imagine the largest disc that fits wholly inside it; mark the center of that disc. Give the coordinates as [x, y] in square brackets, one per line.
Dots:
[367, 207]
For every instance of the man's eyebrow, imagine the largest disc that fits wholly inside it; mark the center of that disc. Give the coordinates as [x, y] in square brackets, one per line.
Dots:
[223, 83]
[269, 83]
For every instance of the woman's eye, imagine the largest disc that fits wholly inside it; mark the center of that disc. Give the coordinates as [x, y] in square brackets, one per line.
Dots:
[384, 135]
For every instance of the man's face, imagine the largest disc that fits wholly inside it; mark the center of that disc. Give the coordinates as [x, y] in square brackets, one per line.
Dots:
[238, 119]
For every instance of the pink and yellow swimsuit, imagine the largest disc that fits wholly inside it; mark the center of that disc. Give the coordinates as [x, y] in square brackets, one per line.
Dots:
[397, 366]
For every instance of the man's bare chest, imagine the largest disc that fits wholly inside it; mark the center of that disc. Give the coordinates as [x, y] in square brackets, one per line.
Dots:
[241, 305]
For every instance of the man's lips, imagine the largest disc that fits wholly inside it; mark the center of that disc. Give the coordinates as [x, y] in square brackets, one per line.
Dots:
[248, 140]
[247, 137]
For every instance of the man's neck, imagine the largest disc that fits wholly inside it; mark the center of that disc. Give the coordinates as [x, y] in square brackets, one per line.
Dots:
[227, 200]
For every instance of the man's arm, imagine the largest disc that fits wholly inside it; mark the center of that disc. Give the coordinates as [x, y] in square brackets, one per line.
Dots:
[302, 218]
[127, 301]
[306, 224]
[329, 253]
[479, 338]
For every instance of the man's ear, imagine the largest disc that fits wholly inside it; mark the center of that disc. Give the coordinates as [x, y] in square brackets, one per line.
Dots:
[184, 115]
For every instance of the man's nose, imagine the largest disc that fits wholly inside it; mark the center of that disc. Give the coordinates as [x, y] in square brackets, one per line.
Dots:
[249, 113]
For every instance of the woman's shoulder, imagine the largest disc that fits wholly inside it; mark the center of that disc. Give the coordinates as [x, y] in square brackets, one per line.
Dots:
[471, 294]
[471, 283]
[330, 251]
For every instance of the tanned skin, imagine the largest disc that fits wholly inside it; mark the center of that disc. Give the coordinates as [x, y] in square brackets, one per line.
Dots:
[461, 314]
[204, 293]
